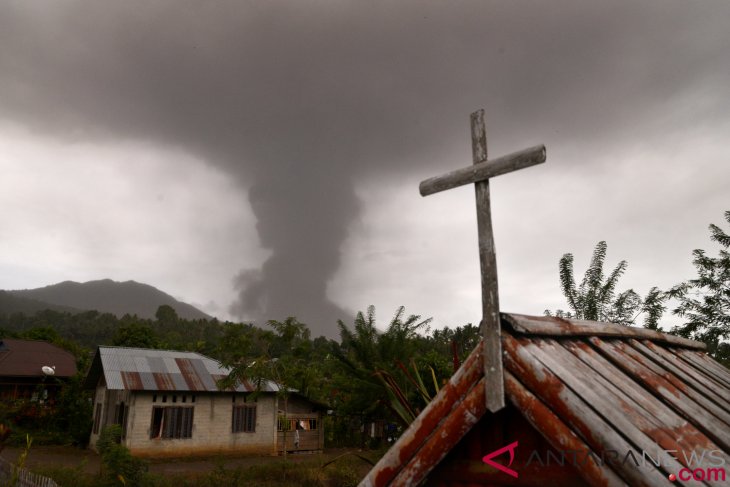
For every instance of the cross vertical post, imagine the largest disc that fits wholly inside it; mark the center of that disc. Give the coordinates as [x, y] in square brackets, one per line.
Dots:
[478, 174]
[490, 326]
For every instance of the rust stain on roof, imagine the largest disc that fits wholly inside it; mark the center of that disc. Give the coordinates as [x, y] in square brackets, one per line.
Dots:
[585, 386]
[163, 381]
[132, 381]
[551, 426]
[189, 374]
[428, 420]
[160, 370]
[448, 432]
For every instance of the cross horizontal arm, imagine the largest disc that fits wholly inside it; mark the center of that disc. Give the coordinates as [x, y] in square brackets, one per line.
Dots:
[484, 170]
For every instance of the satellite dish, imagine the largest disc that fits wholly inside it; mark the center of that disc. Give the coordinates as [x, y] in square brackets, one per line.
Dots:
[49, 370]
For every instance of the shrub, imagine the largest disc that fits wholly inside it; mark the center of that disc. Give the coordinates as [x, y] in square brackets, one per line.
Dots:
[120, 467]
[74, 411]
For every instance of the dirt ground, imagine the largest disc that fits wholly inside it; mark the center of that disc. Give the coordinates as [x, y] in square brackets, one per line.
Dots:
[71, 457]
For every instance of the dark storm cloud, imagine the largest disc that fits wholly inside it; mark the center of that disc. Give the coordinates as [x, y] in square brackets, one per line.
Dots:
[297, 100]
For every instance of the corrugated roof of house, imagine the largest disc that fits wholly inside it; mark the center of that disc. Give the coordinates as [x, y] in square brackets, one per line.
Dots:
[24, 358]
[142, 369]
[584, 386]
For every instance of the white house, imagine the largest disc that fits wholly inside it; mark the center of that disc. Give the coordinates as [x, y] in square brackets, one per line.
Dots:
[168, 404]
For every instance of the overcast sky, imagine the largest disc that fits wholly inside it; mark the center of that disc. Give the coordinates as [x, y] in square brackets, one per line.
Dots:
[261, 159]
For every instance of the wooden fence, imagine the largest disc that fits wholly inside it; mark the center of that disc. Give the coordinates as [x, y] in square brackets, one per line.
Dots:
[25, 478]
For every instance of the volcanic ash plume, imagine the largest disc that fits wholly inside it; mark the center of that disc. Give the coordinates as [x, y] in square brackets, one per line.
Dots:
[304, 221]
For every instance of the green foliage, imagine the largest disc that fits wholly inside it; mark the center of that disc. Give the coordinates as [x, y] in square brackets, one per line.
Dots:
[454, 344]
[285, 361]
[373, 380]
[70, 476]
[268, 472]
[344, 476]
[167, 314]
[704, 302]
[399, 401]
[45, 333]
[87, 329]
[120, 467]
[19, 464]
[349, 376]
[90, 329]
[66, 421]
[236, 343]
[73, 413]
[277, 358]
[136, 334]
[597, 298]
[653, 307]
[285, 355]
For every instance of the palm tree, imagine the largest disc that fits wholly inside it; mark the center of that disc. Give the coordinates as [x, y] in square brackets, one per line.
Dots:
[596, 297]
[375, 374]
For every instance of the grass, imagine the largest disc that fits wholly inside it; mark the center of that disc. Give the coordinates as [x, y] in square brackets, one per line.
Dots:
[344, 471]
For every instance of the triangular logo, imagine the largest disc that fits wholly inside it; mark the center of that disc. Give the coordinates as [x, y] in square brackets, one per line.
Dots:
[511, 449]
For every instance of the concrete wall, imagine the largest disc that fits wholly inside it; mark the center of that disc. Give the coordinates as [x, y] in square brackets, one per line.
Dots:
[211, 432]
[99, 402]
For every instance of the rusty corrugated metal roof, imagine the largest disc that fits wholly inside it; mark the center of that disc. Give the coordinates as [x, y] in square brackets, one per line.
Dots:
[24, 358]
[585, 386]
[143, 369]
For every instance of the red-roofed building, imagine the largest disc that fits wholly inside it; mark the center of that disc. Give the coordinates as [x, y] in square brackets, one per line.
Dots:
[587, 404]
[21, 369]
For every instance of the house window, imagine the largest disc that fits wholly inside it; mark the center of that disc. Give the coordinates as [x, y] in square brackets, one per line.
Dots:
[172, 422]
[120, 417]
[244, 419]
[97, 418]
[305, 424]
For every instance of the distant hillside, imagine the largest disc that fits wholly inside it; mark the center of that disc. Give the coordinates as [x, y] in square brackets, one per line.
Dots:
[10, 303]
[106, 296]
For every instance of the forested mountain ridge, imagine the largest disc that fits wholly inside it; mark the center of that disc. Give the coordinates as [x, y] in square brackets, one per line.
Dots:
[105, 296]
[11, 303]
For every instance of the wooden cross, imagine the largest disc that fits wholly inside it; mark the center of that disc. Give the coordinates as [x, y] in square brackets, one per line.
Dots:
[479, 174]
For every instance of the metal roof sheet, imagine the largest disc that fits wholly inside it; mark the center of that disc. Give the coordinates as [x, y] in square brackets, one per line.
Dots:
[586, 386]
[161, 370]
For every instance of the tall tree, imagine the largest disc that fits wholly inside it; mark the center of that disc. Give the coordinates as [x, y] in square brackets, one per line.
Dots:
[166, 314]
[597, 299]
[283, 360]
[374, 361]
[136, 334]
[704, 302]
